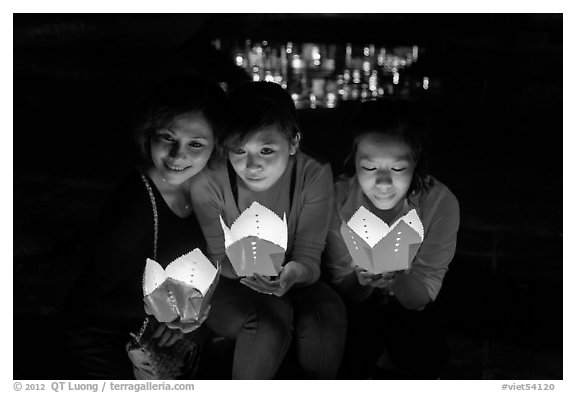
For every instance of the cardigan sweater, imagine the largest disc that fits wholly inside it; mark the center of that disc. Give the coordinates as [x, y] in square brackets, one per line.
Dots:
[439, 212]
[304, 193]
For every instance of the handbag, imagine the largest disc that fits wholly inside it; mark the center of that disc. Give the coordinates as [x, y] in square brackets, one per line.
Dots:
[178, 361]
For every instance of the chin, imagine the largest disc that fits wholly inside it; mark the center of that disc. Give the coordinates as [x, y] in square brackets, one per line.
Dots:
[380, 205]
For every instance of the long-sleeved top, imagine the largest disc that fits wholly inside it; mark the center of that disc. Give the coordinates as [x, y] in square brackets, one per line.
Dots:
[439, 212]
[304, 192]
[111, 286]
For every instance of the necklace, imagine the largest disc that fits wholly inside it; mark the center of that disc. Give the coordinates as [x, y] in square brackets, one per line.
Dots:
[184, 195]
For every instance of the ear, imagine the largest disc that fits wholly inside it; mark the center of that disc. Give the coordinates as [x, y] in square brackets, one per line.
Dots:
[294, 143]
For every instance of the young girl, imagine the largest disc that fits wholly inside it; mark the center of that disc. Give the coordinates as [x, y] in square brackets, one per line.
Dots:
[176, 140]
[262, 314]
[392, 310]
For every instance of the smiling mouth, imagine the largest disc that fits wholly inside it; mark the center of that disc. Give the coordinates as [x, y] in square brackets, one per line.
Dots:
[175, 168]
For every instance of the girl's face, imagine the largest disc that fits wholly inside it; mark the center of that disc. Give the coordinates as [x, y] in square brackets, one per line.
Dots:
[384, 168]
[261, 159]
[181, 150]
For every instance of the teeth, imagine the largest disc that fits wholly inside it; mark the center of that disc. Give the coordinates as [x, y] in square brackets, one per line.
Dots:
[173, 168]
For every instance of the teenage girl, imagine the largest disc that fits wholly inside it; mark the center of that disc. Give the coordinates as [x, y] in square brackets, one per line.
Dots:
[392, 312]
[262, 314]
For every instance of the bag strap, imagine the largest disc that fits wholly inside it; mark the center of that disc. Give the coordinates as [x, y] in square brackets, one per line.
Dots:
[154, 211]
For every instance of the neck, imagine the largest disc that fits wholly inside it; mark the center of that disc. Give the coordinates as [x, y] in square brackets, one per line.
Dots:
[389, 215]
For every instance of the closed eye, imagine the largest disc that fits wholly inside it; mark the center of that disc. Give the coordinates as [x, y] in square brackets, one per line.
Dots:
[398, 169]
[368, 168]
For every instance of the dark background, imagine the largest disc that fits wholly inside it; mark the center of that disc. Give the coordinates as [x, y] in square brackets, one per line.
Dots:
[496, 141]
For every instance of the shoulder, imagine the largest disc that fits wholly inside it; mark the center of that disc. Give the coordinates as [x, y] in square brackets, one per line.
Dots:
[439, 204]
[309, 167]
[439, 194]
[128, 200]
[344, 187]
[214, 175]
[131, 188]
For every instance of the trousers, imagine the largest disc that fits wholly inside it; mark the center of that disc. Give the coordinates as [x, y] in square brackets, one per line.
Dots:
[413, 340]
[312, 319]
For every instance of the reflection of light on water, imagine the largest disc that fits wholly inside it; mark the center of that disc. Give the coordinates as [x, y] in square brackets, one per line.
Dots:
[316, 56]
[366, 67]
[330, 100]
[373, 81]
[297, 62]
[356, 76]
[312, 101]
[318, 77]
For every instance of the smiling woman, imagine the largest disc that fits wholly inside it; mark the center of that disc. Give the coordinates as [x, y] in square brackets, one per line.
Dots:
[147, 216]
[178, 152]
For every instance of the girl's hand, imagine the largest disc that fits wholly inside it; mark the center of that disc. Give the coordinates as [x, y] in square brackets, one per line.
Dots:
[187, 327]
[383, 280]
[167, 336]
[290, 274]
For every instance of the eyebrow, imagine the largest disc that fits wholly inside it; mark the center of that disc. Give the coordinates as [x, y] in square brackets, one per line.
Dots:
[173, 132]
[405, 157]
[265, 142]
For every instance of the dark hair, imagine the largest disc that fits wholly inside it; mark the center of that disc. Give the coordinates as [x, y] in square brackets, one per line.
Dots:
[177, 96]
[400, 119]
[255, 105]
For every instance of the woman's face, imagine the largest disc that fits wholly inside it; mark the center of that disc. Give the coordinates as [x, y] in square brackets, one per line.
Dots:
[384, 168]
[261, 159]
[182, 149]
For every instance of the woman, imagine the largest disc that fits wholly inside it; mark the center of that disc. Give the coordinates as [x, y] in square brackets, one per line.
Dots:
[149, 215]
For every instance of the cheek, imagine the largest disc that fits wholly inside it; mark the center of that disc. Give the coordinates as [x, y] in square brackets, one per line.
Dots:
[237, 162]
[156, 150]
[403, 183]
[365, 180]
[278, 164]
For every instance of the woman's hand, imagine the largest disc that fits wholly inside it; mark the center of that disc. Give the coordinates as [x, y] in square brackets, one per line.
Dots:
[290, 274]
[383, 280]
[187, 327]
[167, 336]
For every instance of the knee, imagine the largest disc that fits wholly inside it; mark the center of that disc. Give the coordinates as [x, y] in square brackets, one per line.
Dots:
[327, 312]
[270, 322]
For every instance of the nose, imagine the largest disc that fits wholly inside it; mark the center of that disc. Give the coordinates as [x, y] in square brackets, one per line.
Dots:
[253, 163]
[383, 179]
[177, 151]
